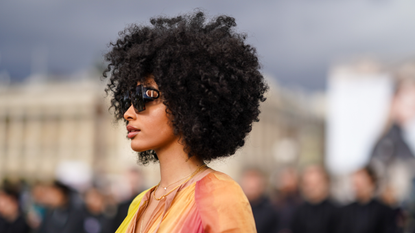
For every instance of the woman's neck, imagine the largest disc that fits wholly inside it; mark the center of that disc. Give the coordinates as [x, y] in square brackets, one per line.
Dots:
[175, 164]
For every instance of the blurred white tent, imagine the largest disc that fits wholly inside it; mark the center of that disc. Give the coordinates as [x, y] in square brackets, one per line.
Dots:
[75, 174]
[358, 104]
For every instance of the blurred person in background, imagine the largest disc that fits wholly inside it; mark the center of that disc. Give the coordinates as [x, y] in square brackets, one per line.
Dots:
[366, 214]
[317, 214]
[37, 207]
[135, 183]
[253, 183]
[393, 154]
[94, 216]
[397, 146]
[11, 218]
[286, 198]
[63, 215]
[398, 140]
[388, 196]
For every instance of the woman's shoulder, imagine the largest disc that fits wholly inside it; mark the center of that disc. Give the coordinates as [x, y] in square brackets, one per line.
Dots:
[222, 204]
[216, 179]
[221, 188]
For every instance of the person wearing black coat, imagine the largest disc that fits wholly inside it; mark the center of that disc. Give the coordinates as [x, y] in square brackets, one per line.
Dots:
[18, 225]
[317, 214]
[372, 216]
[64, 215]
[11, 218]
[366, 214]
[95, 219]
[265, 215]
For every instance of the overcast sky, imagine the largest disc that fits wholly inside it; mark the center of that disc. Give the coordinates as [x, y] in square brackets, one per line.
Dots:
[297, 40]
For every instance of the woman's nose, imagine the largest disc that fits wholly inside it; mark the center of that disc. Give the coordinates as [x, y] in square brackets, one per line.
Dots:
[130, 114]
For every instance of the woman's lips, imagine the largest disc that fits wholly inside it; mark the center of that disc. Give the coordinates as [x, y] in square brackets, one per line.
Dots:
[132, 134]
[132, 131]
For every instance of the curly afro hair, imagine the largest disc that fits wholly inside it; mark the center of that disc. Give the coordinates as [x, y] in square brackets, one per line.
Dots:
[208, 76]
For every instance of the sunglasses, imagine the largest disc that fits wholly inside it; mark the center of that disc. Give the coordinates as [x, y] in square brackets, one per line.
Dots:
[139, 98]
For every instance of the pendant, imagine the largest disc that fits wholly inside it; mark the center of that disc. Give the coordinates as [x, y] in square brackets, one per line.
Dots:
[165, 188]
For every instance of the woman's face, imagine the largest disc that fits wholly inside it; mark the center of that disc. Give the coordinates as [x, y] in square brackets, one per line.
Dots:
[150, 129]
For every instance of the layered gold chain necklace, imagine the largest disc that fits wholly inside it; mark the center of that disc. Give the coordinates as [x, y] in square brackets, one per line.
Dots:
[165, 188]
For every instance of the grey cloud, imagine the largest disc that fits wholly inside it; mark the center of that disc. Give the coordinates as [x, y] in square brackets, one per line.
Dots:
[296, 40]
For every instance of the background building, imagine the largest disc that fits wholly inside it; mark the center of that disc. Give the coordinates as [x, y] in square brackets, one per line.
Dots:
[64, 130]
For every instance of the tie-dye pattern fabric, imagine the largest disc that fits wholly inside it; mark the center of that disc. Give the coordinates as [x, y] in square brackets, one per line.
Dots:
[214, 203]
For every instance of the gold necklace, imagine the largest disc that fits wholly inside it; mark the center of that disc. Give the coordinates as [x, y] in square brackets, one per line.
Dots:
[165, 188]
[191, 176]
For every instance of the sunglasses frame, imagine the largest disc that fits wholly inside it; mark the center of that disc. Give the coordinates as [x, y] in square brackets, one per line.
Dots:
[139, 98]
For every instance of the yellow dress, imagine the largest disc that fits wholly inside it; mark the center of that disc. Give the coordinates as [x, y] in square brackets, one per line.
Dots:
[209, 202]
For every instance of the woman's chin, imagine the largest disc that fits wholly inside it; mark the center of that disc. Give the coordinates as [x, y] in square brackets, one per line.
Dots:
[138, 148]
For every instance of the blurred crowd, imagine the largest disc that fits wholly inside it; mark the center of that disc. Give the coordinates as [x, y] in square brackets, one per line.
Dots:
[301, 202]
[52, 207]
[298, 202]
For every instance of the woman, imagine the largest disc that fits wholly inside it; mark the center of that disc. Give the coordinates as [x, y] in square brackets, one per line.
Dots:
[188, 91]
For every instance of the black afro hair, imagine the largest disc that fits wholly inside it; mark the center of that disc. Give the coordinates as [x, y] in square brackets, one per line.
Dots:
[208, 76]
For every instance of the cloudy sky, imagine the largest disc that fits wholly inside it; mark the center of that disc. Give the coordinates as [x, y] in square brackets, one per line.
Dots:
[297, 40]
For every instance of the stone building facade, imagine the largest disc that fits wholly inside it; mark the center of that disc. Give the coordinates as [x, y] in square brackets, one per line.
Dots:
[43, 125]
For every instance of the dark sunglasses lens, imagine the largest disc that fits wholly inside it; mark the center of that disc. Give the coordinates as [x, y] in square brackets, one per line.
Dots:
[138, 100]
[125, 102]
